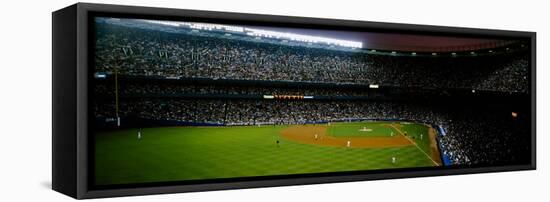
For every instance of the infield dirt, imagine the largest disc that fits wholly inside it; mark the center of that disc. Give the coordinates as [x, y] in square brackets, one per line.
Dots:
[306, 134]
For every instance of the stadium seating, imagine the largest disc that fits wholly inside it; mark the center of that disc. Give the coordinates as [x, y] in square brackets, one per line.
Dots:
[474, 135]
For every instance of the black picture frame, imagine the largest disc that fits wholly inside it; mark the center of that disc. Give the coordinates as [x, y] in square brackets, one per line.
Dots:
[71, 72]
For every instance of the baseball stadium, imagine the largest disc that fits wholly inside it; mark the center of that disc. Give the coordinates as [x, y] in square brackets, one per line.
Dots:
[190, 101]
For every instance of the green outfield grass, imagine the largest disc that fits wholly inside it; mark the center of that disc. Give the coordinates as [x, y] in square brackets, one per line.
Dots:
[346, 129]
[414, 131]
[188, 153]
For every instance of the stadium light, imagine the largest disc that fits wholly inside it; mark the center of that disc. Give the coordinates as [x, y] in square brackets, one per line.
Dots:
[100, 75]
[434, 54]
[198, 26]
[454, 54]
[413, 53]
[261, 33]
[393, 52]
[161, 22]
[302, 38]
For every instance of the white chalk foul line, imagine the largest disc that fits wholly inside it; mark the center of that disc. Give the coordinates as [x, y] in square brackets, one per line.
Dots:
[414, 143]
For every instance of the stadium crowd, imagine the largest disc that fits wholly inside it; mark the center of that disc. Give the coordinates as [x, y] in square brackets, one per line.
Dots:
[132, 51]
[144, 89]
[471, 137]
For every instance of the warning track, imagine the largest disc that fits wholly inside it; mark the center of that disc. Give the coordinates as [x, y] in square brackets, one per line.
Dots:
[306, 134]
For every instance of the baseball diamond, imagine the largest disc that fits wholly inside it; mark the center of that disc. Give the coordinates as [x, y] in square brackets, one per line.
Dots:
[190, 153]
[188, 102]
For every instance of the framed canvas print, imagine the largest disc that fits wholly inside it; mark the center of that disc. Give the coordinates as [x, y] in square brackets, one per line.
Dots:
[154, 100]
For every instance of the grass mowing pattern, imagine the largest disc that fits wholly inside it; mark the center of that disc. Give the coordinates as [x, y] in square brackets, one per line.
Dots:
[414, 131]
[187, 153]
[352, 129]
